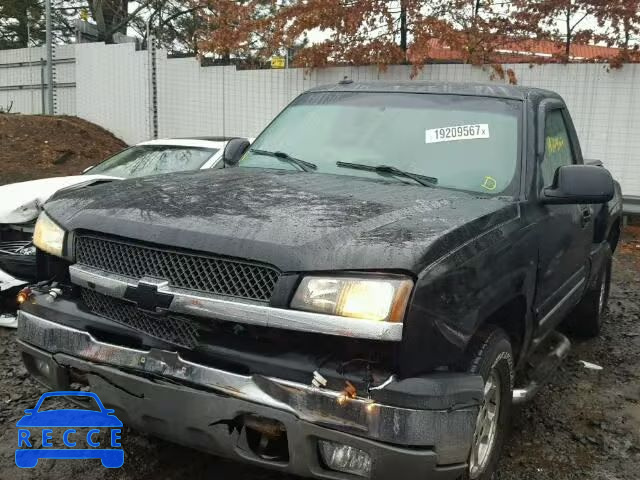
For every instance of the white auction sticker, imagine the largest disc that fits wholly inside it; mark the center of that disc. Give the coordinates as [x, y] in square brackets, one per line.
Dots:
[459, 132]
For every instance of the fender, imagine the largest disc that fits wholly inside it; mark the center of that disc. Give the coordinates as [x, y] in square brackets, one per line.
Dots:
[457, 295]
[598, 256]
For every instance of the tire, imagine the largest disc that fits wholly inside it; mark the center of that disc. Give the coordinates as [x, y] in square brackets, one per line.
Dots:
[490, 356]
[586, 319]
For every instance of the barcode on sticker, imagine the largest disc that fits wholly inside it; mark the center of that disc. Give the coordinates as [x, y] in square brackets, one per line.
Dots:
[459, 132]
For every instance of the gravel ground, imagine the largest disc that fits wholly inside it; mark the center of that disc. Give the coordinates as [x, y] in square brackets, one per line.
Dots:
[585, 425]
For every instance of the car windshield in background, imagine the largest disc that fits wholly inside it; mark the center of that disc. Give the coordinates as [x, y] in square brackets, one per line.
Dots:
[145, 160]
[465, 142]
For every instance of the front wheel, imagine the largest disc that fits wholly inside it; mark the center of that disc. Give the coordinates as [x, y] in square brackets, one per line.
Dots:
[586, 319]
[491, 357]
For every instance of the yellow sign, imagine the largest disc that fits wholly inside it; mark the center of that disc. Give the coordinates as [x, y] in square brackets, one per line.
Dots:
[555, 144]
[277, 62]
[489, 183]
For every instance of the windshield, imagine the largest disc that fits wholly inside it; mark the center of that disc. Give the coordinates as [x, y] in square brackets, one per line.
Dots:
[466, 143]
[153, 159]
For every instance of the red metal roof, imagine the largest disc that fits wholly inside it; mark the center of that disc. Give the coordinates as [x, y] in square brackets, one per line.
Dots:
[528, 51]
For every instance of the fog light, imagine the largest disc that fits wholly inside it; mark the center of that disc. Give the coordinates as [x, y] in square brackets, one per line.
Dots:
[42, 367]
[344, 458]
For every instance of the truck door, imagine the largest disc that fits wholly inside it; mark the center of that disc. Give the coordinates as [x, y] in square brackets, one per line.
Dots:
[566, 231]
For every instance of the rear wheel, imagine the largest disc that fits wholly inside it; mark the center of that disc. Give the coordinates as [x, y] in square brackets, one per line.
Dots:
[491, 357]
[586, 319]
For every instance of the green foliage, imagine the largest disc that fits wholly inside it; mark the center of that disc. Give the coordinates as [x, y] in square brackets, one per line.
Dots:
[19, 21]
[175, 24]
[22, 22]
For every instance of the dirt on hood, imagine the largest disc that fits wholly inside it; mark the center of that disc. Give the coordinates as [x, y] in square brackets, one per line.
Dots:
[39, 146]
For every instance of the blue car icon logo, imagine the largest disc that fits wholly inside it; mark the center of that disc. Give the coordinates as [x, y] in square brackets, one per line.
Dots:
[74, 442]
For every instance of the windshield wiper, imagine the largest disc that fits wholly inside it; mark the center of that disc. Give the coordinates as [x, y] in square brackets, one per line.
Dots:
[389, 170]
[303, 164]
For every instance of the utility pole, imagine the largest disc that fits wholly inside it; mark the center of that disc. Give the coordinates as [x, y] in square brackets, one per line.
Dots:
[153, 81]
[49, 39]
[43, 88]
[33, 108]
[403, 28]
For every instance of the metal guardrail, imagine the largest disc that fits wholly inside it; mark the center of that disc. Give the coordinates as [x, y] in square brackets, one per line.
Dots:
[630, 205]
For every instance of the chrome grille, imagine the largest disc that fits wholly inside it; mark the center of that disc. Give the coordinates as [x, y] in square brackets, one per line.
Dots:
[173, 328]
[188, 270]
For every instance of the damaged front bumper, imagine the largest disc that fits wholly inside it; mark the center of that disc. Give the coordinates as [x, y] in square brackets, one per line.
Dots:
[17, 269]
[8, 283]
[17, 264]
[257, 419]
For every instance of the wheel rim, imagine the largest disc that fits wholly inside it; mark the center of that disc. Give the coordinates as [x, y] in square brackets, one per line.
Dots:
[484, 438]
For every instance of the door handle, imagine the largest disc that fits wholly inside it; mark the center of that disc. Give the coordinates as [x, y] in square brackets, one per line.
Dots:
[585, 218]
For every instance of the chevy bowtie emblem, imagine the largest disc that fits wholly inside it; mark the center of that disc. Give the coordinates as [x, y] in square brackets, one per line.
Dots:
[147, 297]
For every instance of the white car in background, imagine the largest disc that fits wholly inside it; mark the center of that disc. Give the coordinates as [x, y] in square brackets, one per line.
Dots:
[20, 203]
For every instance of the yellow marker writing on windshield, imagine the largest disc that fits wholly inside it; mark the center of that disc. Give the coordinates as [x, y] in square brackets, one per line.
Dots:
[555, 144]
[489, 183]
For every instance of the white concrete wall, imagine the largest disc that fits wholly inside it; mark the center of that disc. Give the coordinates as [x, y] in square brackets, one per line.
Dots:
[605, 105]
[220, 100]
[29, 100]
[113, 91]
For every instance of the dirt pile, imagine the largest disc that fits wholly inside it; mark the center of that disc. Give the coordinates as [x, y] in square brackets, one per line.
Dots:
[37, 146]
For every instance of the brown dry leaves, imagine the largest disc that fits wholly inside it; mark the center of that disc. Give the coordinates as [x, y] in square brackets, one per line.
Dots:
[361, 32]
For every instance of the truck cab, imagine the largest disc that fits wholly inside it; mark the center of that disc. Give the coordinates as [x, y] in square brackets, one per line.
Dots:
[357, 291]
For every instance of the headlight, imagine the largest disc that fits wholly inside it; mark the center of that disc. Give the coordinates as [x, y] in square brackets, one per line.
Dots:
[372, 299]
[48, 236]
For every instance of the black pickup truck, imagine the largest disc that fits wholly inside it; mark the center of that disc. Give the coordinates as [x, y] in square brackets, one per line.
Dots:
[361, 292]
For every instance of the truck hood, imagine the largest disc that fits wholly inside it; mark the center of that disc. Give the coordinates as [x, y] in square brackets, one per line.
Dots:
[297, 221]
[21, 202]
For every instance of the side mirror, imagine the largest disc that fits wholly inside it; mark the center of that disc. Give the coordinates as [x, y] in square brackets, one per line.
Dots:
[29, 411]
[234, 150]
[87, 169]
[573, 184]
